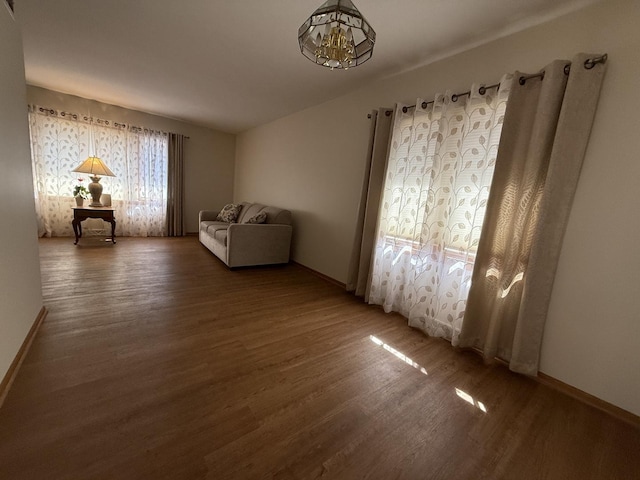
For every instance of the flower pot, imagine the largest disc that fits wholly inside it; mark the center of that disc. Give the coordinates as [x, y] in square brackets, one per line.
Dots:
[79, 201]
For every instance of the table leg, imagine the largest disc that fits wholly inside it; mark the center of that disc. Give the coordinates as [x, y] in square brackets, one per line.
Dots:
[77, 229]
[113, 231]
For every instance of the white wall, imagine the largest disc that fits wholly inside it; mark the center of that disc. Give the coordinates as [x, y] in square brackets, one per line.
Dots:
[313, 161]
[209, 154]
[20, 290]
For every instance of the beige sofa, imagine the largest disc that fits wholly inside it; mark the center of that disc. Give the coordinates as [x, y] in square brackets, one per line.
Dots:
[243, 244]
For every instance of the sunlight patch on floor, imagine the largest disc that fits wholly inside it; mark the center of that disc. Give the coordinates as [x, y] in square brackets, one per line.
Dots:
[461, 393]
[469, 399]
[397, 354]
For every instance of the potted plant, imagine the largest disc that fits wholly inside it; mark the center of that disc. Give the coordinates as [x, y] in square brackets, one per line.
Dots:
[80, 193]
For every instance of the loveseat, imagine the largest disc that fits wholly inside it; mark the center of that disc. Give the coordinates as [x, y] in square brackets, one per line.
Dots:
[258, 235]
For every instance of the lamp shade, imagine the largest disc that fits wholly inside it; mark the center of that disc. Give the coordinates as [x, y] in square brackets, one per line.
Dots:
[94, 166]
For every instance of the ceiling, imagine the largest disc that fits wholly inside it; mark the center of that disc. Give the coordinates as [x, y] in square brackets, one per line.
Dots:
[235, 64]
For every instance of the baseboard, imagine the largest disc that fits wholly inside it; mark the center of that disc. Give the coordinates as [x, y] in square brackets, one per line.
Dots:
[588, 399]
[573, 392]
[321, 275]
[5, 385]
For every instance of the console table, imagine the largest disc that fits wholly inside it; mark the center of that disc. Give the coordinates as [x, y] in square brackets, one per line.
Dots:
[80, 214]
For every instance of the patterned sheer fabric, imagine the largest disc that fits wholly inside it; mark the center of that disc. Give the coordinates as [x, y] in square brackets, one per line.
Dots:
[439, 171]
[138, 157]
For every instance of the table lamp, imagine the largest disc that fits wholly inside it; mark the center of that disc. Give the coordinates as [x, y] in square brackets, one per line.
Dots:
[94, 167]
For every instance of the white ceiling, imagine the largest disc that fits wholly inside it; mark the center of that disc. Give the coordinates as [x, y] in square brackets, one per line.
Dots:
[235, 64]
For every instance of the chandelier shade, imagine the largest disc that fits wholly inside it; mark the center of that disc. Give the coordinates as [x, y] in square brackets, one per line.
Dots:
[336, 35]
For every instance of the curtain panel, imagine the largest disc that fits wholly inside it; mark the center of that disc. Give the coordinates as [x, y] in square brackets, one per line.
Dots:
[440, 166]
[137, 156]
[547, 127]
[175, 190]
[360, 265]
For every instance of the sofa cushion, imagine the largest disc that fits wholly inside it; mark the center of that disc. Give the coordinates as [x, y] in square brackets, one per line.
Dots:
[260, 217]
[204, 226]
[220, 236]
[213, 227]
[277, 215]
[229, 213]
[250, 210]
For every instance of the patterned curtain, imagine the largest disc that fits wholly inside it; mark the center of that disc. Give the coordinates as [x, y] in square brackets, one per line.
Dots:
[137, 156]
[439, 171]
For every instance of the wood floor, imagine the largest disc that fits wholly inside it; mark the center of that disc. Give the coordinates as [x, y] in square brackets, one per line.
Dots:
[157, 362]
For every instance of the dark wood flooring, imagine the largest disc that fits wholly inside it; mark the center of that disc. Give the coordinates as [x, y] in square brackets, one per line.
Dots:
[157, 362]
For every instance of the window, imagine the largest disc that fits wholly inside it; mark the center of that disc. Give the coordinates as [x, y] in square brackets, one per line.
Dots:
[137, 156]
[441, 170]
[441, 161]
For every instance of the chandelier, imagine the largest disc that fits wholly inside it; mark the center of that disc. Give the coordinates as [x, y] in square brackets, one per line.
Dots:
[336, 35]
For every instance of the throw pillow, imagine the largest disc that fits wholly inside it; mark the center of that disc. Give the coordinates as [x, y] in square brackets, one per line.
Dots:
[258, 218]
[229, 213]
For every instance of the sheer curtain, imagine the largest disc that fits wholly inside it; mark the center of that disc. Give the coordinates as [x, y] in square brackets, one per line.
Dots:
[137, 156]
[547, 127]
[441, 161]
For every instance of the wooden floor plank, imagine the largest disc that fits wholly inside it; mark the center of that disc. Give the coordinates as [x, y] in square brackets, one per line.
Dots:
[157, 362]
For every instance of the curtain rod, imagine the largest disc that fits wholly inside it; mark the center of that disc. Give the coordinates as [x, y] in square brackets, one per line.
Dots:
[589, 63]
[90, 119]
[454, 98]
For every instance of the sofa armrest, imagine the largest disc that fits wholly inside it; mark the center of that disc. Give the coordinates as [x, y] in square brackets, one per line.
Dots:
[258, 244]
[207, 215]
